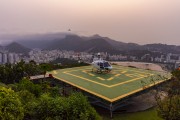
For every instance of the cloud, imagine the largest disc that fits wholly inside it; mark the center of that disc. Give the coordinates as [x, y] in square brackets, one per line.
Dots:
[141, 21]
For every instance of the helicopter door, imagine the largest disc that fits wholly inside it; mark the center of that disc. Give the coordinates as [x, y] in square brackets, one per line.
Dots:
[98, 64]
[101, 66]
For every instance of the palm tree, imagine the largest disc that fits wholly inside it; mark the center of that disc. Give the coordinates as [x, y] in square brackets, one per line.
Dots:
[45, 67]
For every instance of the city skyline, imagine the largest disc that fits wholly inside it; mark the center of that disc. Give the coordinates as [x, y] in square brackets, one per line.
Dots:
[137, 21]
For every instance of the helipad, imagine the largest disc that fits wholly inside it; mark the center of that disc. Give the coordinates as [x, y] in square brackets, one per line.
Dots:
[119, 83]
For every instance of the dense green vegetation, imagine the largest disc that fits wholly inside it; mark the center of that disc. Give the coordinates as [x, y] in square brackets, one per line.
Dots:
[26, 100]
[13, 73]
[168, 100]
[21, 99]
[11, 107]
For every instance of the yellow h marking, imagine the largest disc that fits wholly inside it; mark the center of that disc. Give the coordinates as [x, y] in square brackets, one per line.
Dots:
[114, 76]
[54, 72]
[123, 72]
[100, 78]
[84, 71]
[110, 86]
[88, 73]
[110, 78]
[117, 75]
[91, 74]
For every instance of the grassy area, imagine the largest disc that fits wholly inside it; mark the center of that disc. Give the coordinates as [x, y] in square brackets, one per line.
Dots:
[150, 114]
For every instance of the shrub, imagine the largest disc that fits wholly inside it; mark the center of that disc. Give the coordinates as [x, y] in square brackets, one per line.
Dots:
[10, 105]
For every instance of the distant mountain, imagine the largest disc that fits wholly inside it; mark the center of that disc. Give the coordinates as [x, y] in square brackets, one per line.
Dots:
[41, 40]
[34, 40]
[163, 48]
[95, 43]
[17, 48]
[70, 42]
[77, 43]
[117, 44]
[123, 46]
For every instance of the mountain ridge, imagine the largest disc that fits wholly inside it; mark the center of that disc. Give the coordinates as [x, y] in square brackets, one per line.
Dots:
[15, 47]
[96, 43]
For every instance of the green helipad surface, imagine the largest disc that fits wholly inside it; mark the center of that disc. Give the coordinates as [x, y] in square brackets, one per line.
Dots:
[119, 83]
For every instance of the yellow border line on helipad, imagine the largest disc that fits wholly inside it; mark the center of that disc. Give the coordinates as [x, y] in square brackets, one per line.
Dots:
[99, 95]
[138, 90]
[106, 98]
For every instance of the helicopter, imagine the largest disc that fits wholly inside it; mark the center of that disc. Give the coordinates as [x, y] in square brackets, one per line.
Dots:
[100, 65]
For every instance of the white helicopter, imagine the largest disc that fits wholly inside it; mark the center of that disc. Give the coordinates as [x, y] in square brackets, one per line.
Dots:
[100, 65]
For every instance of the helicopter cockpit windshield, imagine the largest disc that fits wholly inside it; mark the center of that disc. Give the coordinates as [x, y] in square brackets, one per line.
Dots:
[106, 64]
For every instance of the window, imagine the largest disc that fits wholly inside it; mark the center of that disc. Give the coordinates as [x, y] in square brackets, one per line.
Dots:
[106, 64]
[101, 64]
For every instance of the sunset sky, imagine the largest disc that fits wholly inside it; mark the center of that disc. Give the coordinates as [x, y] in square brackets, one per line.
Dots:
[139, 21]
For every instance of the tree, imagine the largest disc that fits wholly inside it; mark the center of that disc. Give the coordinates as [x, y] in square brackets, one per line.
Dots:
[26, 84]
[45, 67]
[168, 98]
[79, 108]
[10, 105]
[27, 99]
[75, 107]
[13, 73]
[54, 91]
[169, 108]
[25, 96]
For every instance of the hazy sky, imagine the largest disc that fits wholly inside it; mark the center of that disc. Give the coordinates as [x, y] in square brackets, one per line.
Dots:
[140, 21]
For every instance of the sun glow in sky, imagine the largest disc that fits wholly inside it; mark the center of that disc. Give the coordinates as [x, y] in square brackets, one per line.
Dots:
[140, 21]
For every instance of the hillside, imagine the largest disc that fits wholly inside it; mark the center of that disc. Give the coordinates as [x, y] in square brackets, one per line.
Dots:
[76, 43]
[95, 43]
[33, 40]
[70, 42]
[163, 48]
[122, 46]
[17, 48]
